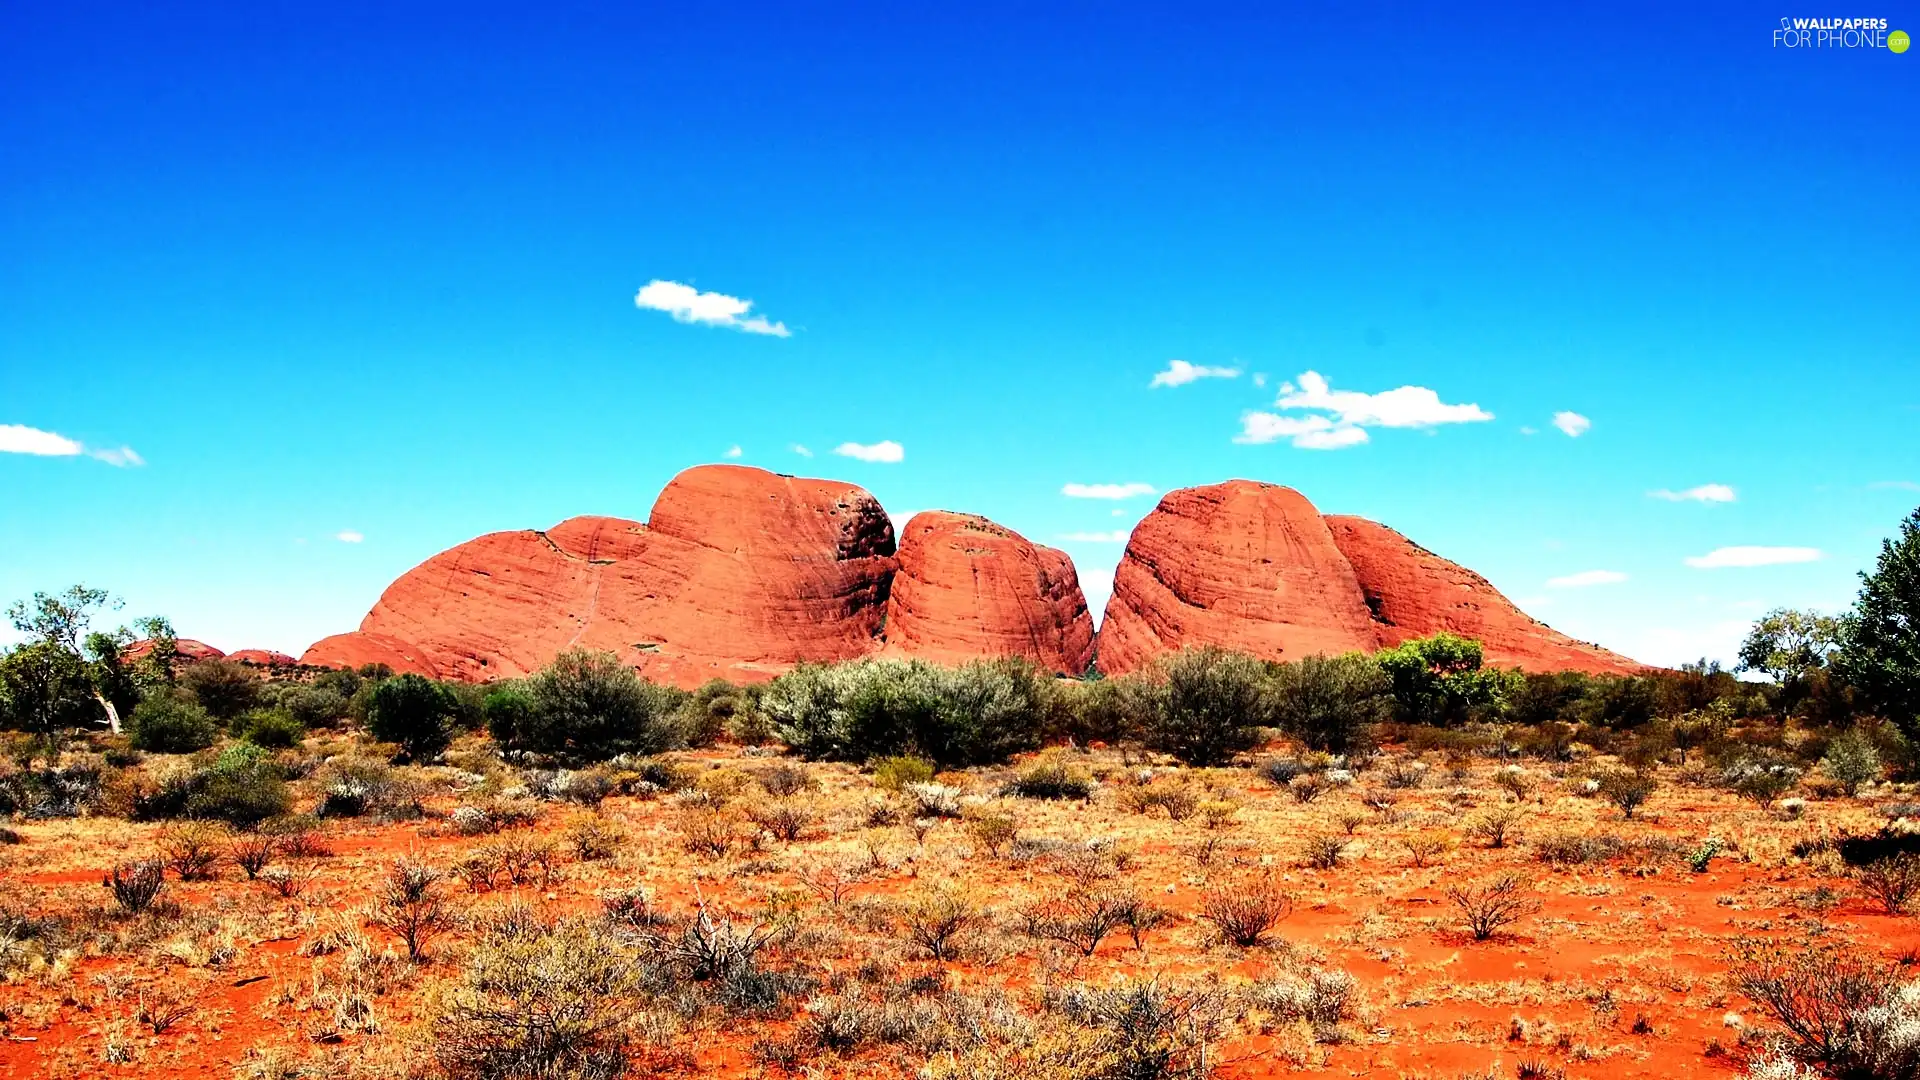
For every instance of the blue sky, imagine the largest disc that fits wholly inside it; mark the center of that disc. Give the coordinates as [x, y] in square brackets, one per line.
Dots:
[372, 270]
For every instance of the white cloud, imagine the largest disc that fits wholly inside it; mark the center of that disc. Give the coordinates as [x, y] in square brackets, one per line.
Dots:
[1894, 485]
[886, 450]
[1586, 578]
[1720, 558]
[21, 439]
[348, 536]
[801, 450]
[119, 459]
[1706, 493]
[732, 452]
[689, 305]
[1259, 378]
[1117, 536]
[1180, 373]
[1106, 491]
[1572, 423]
[1526, 430]
[1339, 418]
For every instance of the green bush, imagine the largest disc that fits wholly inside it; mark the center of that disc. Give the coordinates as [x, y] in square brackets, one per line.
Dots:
[1330, 703]
[1440, 681]
[720, 708]
[315, 706]
[168, 724]
[242, 787]
[224, 688]
[413, 712]
[588, 706]
[976, 714]
[1851, 760]
[895, 773]
[1207, 705]
[275, 729]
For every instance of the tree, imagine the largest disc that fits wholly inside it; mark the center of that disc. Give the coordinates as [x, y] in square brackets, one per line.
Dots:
[1439, 680]
[60, 620]
[47, 690]
[1209, 705]
[1330, 702]
[414, 712]
[222, 687]
[1880, 642]
[1790, 647]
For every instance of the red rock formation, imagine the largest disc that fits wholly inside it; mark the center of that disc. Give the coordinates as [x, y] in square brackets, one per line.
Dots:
[739, 573]
[358, 648]
[1415, 593]
[968, 588]
[1241, 565]
[262, 657]
[184, 648]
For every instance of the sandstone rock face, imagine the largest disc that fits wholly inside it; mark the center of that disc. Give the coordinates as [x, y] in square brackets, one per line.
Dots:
[968, 588]
[357, 649]
[1415, 593]
[261, 657]
[1241, 565]
[739, 573]
[186, 649]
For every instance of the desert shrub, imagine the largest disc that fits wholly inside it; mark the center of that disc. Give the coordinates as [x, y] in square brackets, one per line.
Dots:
[1514, 781]
[937, 919]
[1132, 1031]
[192, 851]
[934, 800]
[1052, 779]
[1551, 741]
[539, 999]
[895, 773]
[1381, 801]
[314, 706]
[720, 708]
[1851, 760]
[1171, 794]
[588, 706]
[1402, 774]
[170, 724]
[786, 820]
[252, 852]
[1490, 906]
[1760, 777]
[224, 688]
[1330, 703]
[1322, 850]
[275, 729]
[1308, 787]
[1205, 706]
[242, 787]
[1495, 824]
[413, 712]
[1245, 913]
[1838, 1011]
[593, 838]
[1627, 789]
[1082, 921]
[1322, 998]
[1280, 771]
[992, 831]
[1425, 847]
[1893, 882]
[980, 713]
[1575, 849]
[137, 884]
[788, 778]
[52, 792]
[362, 787]
[409, 905]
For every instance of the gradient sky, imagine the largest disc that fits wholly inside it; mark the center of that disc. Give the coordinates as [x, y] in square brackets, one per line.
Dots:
[371, 271]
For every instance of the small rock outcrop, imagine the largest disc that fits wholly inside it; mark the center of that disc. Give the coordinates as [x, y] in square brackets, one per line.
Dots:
[968, 588]
[261, 657]
[184, 649]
